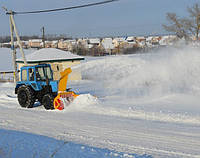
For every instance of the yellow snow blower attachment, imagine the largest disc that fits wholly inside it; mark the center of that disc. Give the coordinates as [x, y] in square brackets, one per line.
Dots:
[65, 96]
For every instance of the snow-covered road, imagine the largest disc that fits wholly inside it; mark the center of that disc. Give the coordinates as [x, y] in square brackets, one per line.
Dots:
[128, 135]
[123, 131]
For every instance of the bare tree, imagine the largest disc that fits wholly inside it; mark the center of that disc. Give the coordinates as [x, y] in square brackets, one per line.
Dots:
[184, 27]
[194, 13]
[176, 25]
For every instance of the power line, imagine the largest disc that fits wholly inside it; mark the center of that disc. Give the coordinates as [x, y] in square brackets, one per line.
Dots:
[61, 9]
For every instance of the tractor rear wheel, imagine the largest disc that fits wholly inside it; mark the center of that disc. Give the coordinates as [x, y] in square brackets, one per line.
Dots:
[25, 96]
[47, 101]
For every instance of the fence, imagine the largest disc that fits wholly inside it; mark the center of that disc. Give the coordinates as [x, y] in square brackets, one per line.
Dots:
[7, 76]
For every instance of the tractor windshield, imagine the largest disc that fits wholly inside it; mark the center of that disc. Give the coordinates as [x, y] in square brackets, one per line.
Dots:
[43, 73]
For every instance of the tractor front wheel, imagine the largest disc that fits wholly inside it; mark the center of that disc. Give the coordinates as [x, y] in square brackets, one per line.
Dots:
[47, 101]
[25, 96]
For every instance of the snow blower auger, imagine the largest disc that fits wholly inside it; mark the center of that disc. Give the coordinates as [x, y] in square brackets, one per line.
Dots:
[37, 84]
[65, 96]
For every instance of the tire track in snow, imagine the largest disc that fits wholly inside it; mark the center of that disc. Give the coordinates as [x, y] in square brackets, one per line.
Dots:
[95, 107]
[155, 151]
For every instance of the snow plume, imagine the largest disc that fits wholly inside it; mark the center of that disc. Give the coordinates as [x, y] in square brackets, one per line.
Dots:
[83, 100]
[168, 70]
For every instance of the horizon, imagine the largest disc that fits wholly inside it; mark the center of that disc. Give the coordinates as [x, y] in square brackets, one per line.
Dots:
[69, 37]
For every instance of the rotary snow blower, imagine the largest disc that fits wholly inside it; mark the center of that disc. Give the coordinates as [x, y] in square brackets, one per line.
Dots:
[37, 84]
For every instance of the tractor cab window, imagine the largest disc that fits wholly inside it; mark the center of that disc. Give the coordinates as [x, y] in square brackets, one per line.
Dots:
[43, 73]
[24, 75]
[48, 73]
[31, 74]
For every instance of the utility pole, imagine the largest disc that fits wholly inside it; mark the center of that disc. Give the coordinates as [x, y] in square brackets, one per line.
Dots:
[43, 37]
[13, 29]
[13, 52]
[12, 22]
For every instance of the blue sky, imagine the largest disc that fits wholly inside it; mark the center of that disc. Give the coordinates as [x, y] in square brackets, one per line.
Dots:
[125, 17]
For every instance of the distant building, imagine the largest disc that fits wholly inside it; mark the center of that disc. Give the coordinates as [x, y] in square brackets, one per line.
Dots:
[24, 44]
[141, 41]
[130, 39]
[131, 42]
[62, 44]
[35, 43]
[48, 44]
[58, 59]
[82, 42]
[54, 44]
[168, 40]
[118, 41]
[71, 44]
[93, 42]
[67, 44]
[107, 44]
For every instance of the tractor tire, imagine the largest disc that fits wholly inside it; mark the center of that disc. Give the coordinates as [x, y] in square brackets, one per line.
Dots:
[25, 96]
[47, 101]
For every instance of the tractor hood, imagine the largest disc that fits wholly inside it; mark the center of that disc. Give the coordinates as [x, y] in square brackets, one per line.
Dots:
[54, 86]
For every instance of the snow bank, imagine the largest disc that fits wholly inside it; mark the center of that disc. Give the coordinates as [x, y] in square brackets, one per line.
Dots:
[7, 97]
[83, 101]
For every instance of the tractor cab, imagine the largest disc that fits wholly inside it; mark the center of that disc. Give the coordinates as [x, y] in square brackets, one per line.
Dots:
[41, 72]
[37, 77]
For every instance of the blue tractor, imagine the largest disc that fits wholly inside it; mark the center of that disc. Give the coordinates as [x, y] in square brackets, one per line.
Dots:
[37, 84]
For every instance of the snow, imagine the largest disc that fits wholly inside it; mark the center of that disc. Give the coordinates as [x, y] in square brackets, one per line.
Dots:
[15, 143]
[142, 105]
[47, 54]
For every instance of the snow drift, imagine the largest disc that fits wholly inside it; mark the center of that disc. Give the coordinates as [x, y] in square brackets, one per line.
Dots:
[167, 71]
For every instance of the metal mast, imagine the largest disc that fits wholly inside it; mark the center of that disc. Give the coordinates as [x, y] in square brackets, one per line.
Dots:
[43, 37]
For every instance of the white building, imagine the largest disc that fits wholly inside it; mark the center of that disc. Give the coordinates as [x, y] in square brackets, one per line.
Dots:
[108, 45]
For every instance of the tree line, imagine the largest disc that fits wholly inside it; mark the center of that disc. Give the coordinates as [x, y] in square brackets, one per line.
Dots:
[50, 37]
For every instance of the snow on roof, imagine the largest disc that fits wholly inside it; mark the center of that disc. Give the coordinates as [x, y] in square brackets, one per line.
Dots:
[35, 40]
[54, 42]
[94, 40]
[130, 38]
[141, 37]
[73, 42]
[25, 42]
[149, 38]
[51, 54]
[119, 39]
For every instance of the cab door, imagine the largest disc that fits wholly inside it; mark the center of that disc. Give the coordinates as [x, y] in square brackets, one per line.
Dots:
[32, 78]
